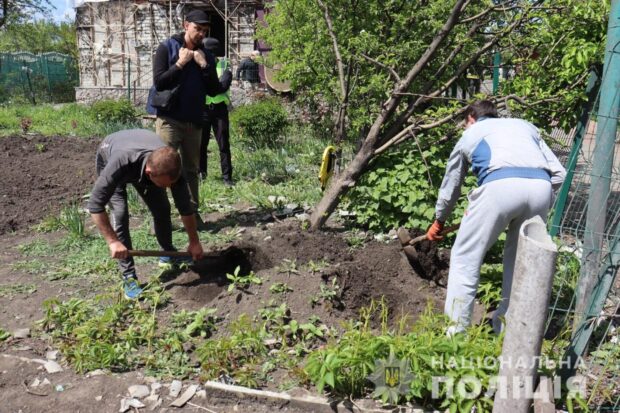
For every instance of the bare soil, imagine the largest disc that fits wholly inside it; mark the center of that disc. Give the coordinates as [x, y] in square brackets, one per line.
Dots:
[41, 174]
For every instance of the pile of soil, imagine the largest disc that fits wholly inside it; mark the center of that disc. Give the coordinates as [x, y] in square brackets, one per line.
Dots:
[373, 272]
[40, 175]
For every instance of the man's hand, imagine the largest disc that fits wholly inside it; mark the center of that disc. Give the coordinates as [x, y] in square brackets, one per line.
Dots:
[434, 232]
[185, 56]
[200, 58]
[118, 250]
[195, 248]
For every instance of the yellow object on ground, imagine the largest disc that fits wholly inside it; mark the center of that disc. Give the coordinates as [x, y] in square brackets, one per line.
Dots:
[327, 165]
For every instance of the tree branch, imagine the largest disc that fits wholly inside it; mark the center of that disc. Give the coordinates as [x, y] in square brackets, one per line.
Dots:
[384, 66]
[332, 35]
[413, 128]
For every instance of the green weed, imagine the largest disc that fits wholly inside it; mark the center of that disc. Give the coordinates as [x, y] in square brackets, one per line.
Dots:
[242, 281]
[10, 290]
[279, 288]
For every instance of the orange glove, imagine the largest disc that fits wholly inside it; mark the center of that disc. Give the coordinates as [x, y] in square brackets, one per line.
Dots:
[434, 232]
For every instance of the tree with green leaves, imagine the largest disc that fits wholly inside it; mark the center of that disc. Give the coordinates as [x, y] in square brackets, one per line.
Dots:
[17, 11]
[387, 68]
[40, 37]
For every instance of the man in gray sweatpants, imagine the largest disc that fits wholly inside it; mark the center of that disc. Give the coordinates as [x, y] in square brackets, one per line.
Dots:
[517, 176]
[139, 157]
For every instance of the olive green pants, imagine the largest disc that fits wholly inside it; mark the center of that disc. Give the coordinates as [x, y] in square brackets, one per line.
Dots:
[184, 137]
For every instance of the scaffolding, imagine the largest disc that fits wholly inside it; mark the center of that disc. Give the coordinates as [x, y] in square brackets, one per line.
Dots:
[117, 40]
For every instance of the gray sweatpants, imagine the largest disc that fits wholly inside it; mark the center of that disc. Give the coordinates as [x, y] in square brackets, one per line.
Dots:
[492, 207]
[157, 202]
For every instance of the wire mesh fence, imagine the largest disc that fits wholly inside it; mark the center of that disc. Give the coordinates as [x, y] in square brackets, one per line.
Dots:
[588, 319]
[46, 77]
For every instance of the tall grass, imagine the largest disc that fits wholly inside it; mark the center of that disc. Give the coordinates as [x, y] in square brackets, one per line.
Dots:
[70, 119]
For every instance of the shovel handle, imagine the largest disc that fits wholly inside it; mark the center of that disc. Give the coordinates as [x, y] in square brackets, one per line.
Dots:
[443, 232]
[154, 253]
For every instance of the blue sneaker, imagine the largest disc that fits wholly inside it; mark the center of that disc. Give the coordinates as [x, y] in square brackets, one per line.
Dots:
[175, 262]
[131, 288]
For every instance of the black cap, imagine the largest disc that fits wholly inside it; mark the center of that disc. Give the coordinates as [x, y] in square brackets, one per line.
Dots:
[198, 17]
[211, 44]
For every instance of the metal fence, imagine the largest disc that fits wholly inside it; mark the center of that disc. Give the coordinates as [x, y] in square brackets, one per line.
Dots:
[585, 313]
[46, 77]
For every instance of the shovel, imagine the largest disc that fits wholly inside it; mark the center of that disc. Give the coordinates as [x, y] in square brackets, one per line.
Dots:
[155, 253]
[409, 243]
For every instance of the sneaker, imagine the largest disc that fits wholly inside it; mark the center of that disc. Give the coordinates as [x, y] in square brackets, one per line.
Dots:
[229, 183]
[203, 176]
[175, 262]
[131, 288]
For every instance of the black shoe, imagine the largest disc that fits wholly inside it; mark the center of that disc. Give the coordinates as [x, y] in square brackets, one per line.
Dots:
[229, 183]
[203, 176]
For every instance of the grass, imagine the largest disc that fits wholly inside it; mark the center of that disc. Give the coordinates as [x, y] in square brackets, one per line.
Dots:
[11, 290]
[70, 119]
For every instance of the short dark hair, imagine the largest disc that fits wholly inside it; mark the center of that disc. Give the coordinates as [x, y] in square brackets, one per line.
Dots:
[481, 108]
[165, 161]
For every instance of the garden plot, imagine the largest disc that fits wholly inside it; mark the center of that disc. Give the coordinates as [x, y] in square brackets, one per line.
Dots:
[273, 293]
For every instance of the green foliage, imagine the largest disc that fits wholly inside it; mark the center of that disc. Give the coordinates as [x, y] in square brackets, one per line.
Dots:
[401, 189]
[10, 290]
[343, 366]
[554, 58]
[114, 111]
[242, 281]
[70, 119]
[41, 36]
[260, 124]
[20, 11]
[4, 335]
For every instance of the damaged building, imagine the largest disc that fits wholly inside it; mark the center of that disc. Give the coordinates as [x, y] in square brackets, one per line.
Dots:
[117, 40]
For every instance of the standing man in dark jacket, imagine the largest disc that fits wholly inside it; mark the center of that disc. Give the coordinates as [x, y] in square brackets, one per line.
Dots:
[216, 117]
[139, 157]
[248, 71]
[182, 61]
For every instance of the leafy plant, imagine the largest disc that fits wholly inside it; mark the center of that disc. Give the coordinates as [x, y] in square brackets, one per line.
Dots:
[317, 266]
[279, 288]
[288, 267]
[344, 366]
[260, 124]
[4, 335]
[114, 111]
[242, 281]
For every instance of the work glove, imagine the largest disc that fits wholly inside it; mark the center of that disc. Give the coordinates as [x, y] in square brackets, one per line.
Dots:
[434, 232]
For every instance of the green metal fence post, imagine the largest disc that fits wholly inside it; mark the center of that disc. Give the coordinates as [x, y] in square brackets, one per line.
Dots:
[591, 92]
[129, 79]
[607, 122]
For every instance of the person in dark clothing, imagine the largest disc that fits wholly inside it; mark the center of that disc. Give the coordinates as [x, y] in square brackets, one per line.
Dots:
[215, 117]
[139, 157]
[248, 71]
[181, 60]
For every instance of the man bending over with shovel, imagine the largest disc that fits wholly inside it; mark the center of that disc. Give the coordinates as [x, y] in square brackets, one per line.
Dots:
[139, 157]
[517, 176]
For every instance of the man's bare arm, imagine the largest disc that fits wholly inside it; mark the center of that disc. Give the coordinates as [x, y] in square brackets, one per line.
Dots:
[117, 249]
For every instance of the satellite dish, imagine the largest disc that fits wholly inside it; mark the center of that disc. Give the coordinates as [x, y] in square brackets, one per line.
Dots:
[277, 85]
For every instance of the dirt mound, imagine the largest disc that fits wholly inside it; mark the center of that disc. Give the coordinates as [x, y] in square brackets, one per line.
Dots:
[323, 276]
[40, 175]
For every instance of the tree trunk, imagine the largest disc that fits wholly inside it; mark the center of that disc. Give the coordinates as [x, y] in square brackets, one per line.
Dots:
[341, 185]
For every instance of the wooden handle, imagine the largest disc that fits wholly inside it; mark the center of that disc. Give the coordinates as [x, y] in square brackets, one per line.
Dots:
[153, 253]
[443, 232]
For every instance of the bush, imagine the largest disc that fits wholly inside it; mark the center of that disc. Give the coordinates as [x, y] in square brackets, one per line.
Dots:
[260, 124]
[402, 189]
[114, 111]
